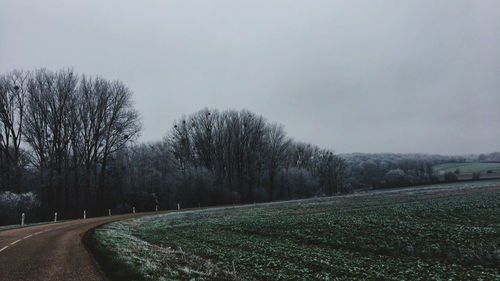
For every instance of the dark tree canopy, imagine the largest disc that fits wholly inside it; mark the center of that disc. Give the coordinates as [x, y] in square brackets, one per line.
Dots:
[68, 126]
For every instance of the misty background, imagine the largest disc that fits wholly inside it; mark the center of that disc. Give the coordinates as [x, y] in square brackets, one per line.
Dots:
[353, 76]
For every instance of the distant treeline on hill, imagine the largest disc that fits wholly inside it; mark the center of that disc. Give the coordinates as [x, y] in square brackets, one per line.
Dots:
[491, 157]
[67, 145]
[365, 170]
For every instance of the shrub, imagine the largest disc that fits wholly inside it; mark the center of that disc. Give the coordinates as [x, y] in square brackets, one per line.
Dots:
[13, 204]
[450, 176]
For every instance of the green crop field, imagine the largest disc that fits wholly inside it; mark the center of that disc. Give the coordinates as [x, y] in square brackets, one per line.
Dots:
[439, 232]
[487, 170]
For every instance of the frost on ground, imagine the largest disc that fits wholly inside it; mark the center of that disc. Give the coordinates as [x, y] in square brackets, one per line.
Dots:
[441, 232]
[154, 262]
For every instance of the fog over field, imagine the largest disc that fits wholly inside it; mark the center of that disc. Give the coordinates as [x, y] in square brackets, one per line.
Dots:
[367, 76]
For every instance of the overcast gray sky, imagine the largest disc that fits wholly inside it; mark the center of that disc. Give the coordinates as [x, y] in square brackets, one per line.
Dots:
[353, 76]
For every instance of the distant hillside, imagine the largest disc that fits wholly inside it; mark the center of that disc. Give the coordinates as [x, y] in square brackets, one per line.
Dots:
[464, 171]
[491, 157]
[380, 170]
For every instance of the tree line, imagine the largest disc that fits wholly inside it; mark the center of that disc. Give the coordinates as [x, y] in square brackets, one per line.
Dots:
[67, 144]
[58, 132]
[381, 170]
[228, 157]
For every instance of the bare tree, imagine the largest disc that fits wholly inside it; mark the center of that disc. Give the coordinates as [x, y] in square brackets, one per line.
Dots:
[49, 131]
[74, 123]
[277, 145]
[121, 124]
[109, 121]
[12, 106]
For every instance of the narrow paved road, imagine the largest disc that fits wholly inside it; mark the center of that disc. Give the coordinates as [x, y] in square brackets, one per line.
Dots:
[51, 251]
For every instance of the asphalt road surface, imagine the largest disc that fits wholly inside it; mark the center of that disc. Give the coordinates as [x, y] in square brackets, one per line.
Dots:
[51, 251]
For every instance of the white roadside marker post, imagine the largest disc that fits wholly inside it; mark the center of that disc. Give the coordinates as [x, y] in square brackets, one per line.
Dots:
[109, 212]
[22, 219]
[156, 208]
[133, 210]
[84, 214]
[55, 217]
[178, 206]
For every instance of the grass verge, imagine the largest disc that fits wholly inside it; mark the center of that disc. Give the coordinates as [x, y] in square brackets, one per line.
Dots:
[123, 256]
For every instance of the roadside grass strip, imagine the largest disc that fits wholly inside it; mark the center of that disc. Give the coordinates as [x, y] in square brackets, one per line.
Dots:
[127, 257]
